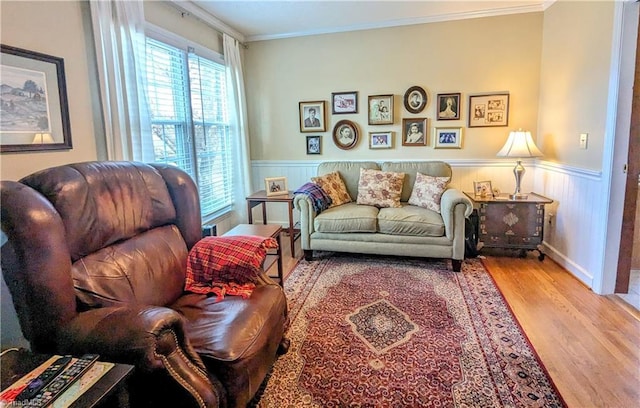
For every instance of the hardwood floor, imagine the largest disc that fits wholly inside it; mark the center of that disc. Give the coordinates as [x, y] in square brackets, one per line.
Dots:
[590, 344]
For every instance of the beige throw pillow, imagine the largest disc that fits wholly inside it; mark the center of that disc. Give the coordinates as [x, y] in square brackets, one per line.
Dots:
[380, 188]
[333, 185]
[427, 191]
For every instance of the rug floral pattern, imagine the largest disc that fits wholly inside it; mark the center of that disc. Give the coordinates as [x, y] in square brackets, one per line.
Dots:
[387, 332]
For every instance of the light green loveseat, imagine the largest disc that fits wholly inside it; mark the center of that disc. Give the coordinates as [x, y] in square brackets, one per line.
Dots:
[406, 231]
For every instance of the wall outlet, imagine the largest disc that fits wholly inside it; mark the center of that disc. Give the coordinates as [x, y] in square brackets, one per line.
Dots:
[583, 140]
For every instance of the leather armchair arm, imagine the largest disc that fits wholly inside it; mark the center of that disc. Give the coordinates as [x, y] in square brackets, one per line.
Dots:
[307, 214]
[151, 338]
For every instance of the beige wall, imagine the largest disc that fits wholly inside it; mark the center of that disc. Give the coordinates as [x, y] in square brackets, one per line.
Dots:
[468, 56]
[165, 15]
[574, 81]
[63, 29]
[58, 29]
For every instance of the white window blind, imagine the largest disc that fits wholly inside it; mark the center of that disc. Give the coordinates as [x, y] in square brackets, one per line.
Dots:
[189, 118]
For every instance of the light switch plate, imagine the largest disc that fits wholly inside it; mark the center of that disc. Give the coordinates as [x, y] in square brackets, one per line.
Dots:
[583, 140]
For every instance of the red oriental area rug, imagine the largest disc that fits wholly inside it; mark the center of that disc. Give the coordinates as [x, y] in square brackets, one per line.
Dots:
[388, 332]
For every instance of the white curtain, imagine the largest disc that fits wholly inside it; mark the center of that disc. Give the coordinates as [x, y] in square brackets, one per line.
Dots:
[238, 119]
[118, 30]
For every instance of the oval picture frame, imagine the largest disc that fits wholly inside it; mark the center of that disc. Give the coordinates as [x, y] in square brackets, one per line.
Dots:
[415, 99]
[341, 138]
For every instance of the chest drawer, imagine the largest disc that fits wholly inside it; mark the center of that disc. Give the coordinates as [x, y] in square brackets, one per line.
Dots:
[511, 224]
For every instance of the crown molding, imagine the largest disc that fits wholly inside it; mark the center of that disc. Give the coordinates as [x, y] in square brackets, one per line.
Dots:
[208, 18]
[411, 21]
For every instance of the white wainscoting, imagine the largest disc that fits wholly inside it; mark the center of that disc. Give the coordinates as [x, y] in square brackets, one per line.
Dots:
[573, 224]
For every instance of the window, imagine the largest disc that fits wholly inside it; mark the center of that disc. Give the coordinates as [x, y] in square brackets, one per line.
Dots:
[190, 121]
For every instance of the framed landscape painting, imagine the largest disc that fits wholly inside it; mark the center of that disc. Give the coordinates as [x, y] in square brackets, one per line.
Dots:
[33, 105]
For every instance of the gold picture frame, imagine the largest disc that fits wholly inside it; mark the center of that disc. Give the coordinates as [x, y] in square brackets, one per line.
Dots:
[381, 140]
[380, 109]
[312, 116]
[276, 186]
[482, 188]
[447, 138]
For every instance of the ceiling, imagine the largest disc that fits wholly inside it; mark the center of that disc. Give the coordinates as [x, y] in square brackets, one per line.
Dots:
[255, 20]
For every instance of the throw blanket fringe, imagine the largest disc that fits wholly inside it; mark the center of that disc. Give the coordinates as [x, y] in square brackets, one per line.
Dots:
[221, 289]
[319, 199]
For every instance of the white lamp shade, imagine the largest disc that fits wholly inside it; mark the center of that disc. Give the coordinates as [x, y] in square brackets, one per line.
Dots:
[42, 138]
[519, 144]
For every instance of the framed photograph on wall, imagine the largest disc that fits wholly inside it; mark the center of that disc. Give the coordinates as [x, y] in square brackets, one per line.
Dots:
[314, 144]
[380, 109]
[449, 106]
[34, 111]
[312, 116]
[447, 138]
[345, 134]
[482, 188]
[415, 99]
[276, 186]
[344, 102]
[380, 140]
[414, 132]
[489, 110]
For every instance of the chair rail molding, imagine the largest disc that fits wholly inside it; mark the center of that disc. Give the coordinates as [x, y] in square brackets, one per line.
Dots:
[571, 230]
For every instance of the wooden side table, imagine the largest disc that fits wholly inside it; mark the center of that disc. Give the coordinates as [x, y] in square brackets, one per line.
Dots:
[261, 198]
[511, 224]
[266, 231]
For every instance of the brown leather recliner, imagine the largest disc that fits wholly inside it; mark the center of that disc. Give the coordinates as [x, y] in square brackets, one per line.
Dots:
[95, 262]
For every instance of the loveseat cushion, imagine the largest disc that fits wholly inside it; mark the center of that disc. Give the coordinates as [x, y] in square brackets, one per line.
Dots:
[349, 217]
[410, 220]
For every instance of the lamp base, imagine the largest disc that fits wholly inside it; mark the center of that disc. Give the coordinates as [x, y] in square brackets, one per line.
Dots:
[518, 196]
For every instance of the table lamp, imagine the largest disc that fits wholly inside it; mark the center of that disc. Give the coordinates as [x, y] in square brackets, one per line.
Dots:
[519, 145]
[42, 138]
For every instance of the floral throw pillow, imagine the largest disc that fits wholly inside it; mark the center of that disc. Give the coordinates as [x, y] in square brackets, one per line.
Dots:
[380, 188]
[427, 191]
[333, 185]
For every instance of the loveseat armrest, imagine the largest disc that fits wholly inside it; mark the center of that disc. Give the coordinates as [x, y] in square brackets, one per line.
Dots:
[454, 208]
[304, 204]
[149, 337]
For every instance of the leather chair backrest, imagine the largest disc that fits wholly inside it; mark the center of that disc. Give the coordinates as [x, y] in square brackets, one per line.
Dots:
[101, 233]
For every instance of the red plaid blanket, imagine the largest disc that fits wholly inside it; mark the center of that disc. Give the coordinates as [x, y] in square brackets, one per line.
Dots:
[226, 265]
